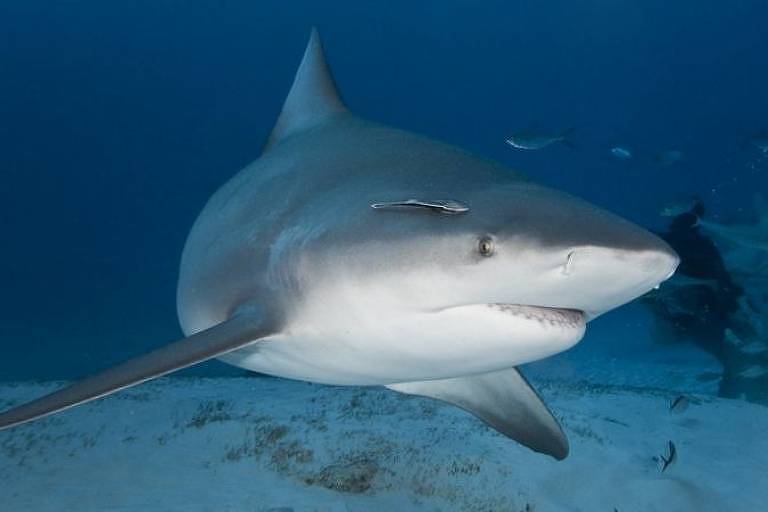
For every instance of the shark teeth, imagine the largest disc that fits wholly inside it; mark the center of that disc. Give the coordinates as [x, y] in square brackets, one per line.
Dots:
[554, 316]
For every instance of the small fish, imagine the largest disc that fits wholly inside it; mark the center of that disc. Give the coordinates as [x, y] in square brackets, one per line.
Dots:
[754, 372]
[671, 457]
[679, 404]
[745, 347]
[754, 236]
[621, 153]
[756, 347]
[669, 157]
[530, 139]
[679, 206]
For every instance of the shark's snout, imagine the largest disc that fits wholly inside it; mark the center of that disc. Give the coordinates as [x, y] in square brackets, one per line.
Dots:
[608, 277]
[653, 263]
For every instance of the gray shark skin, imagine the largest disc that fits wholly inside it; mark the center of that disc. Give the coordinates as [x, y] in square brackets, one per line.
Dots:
[357, 254]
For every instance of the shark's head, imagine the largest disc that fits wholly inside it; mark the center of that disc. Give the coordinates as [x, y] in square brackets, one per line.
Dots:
[532, 246]
[499, 265]
[516, 244]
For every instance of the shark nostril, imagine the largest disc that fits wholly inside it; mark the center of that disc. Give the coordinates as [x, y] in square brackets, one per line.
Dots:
[568, 265]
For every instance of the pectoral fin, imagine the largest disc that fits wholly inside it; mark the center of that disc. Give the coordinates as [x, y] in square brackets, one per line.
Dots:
[240, 330]
[505, 401]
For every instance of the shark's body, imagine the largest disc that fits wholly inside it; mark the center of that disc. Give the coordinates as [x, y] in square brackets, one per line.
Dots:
[460, 272]
[345, 293]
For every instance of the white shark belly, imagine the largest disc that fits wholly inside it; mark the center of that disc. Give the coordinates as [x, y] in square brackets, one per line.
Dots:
[457, 341]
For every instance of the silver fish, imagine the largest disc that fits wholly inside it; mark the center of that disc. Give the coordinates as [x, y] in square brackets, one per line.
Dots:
[621, 153]
[530, 139]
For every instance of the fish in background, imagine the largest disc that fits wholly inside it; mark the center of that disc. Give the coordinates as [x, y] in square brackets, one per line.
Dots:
[753, 236]
[745, 346]
[668, 157]
[754, 372]
[671, 457]
[679, 404]
[679, 206]
[533, 139]
[621, 153]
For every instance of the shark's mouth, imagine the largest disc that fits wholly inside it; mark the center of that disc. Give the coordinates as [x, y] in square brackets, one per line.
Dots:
[561, 317]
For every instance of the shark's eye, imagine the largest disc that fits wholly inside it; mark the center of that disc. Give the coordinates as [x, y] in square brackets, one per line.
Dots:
[485, 246]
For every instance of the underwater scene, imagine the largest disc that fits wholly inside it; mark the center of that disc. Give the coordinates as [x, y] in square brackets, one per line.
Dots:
[346, 256]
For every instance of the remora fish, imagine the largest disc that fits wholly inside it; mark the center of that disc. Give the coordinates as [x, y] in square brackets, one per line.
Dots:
[531, 139]
[289, 271]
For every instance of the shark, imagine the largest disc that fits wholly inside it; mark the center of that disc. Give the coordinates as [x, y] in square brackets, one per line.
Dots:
[352, 253]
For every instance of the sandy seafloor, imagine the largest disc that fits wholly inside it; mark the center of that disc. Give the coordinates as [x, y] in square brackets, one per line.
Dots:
[267, 444]
[230, 445]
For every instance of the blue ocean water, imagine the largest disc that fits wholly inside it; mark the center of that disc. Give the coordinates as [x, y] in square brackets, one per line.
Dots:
[118, 120]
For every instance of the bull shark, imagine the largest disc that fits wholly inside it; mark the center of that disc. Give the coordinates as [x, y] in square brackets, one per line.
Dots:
[351, 253]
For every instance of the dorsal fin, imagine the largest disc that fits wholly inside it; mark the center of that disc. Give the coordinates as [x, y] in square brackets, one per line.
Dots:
[313, 96]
